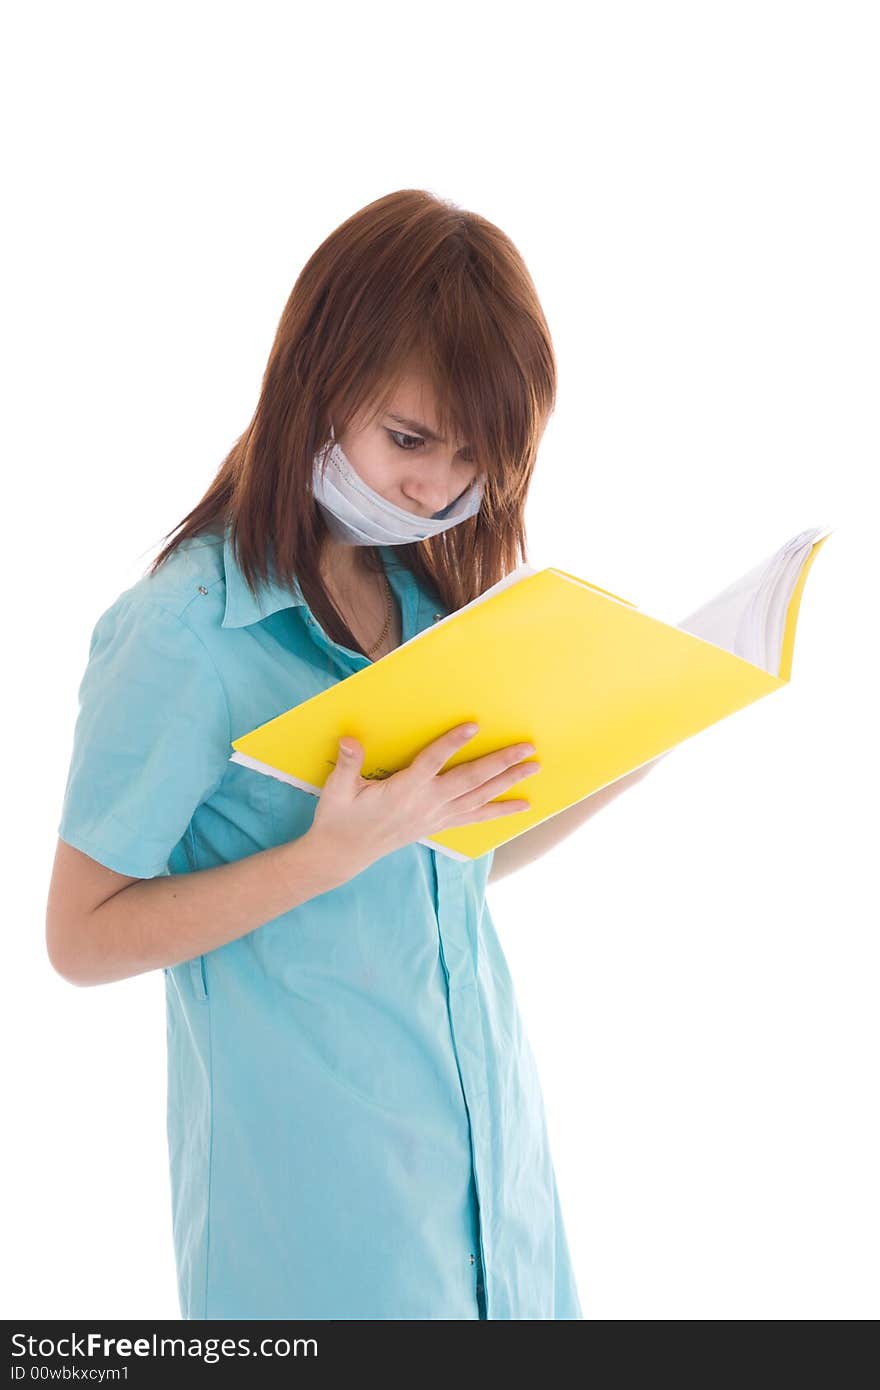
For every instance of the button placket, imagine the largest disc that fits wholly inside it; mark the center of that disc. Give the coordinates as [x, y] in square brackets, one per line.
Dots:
[467, 1038]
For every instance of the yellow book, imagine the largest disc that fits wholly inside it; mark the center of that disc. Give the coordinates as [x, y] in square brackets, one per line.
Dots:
[598, 686]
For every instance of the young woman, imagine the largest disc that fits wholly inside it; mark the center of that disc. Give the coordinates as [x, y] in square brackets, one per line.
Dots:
[355, 1123]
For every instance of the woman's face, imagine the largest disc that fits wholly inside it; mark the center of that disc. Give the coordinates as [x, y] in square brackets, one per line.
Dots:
[398, 455]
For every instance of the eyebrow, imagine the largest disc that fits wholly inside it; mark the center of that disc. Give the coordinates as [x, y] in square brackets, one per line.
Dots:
[417, 428]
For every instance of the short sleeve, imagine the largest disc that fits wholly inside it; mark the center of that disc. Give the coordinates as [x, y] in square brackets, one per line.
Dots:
[151, 741]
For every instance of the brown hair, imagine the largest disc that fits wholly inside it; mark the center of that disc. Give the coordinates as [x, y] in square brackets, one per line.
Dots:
[409, 279]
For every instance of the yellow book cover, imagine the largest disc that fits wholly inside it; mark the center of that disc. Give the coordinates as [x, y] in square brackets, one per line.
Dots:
[598, 686]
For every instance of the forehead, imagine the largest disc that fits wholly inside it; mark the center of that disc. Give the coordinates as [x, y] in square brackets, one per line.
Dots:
[412, 404]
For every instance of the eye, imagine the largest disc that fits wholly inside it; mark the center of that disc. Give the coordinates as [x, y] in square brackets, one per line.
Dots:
[396, 436]
[415, 442]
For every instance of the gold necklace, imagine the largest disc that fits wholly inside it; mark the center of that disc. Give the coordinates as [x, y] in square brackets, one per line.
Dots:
[382, 634]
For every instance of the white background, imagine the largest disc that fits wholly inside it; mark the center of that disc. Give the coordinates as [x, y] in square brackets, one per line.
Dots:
[694, 189]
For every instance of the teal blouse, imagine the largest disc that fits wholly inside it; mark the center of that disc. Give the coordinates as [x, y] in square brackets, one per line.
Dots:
[355, 1123]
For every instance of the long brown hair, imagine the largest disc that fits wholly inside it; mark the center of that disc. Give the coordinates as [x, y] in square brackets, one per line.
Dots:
[409, 279]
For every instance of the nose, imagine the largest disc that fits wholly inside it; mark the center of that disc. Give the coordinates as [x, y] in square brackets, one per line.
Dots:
[437, 492]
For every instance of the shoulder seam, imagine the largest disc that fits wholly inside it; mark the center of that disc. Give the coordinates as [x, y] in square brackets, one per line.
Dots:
[185, 594]
[166, 601]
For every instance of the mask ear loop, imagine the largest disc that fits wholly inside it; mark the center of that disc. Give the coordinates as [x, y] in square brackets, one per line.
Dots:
[324, 451]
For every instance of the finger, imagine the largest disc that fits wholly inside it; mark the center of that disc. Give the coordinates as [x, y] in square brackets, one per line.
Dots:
[433, 756]
[484, 772]
[494, 787]
[493, 811]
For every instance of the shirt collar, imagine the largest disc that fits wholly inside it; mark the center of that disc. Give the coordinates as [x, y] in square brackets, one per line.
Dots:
[242, 606]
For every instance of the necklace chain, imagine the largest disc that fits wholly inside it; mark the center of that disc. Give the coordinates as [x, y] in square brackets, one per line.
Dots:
[381, 638]
[388, 613]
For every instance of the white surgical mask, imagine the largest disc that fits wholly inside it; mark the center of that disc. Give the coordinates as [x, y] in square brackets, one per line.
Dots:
[357, 514]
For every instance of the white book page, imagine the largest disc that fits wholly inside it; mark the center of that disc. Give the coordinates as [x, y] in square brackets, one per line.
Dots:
[748, 617]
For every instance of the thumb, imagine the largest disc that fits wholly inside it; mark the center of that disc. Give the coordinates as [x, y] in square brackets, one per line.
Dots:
[351, 757]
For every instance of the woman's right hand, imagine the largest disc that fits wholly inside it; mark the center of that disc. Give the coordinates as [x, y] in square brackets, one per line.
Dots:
[360, 819]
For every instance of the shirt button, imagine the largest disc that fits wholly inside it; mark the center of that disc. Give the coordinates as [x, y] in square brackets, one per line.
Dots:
[202, 589]
[471, 1258]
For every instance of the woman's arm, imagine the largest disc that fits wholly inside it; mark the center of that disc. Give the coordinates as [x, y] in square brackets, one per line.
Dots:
[103, 926]
[532, 843]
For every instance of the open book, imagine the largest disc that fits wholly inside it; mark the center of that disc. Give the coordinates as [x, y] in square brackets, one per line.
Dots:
[596, 684]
